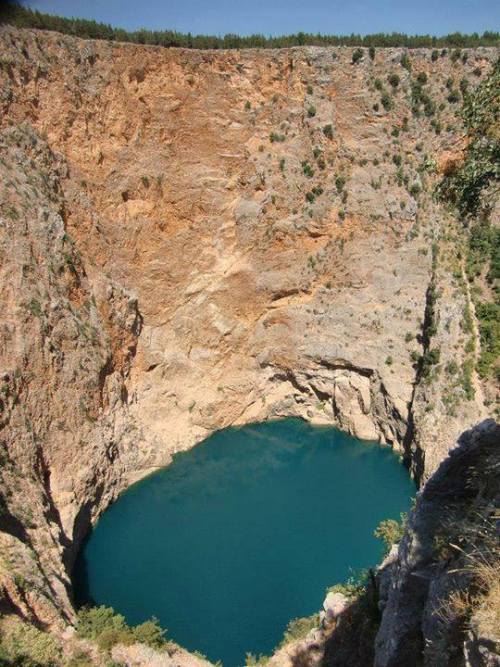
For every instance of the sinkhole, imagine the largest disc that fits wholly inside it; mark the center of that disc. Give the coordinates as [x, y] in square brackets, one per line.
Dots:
[243, 533]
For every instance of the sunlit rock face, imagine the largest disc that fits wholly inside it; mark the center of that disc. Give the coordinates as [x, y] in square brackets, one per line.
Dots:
[193, 239]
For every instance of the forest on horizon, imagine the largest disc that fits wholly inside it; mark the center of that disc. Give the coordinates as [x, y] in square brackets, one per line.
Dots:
[23, 17]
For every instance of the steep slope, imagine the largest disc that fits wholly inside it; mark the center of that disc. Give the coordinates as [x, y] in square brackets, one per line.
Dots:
[67, 343]
[434, 599]
[446, 563]
[195, 239]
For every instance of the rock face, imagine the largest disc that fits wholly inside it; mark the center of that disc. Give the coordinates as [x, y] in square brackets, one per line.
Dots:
[67, 344]
[414, 611]
[194, 239]
[418, 623]
[334, 605]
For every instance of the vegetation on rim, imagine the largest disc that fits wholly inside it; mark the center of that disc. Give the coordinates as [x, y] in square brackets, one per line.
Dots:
[27, 646]
[23, 17]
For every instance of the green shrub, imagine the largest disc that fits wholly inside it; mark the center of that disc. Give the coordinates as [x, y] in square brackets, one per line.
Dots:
[463, 186]
[307, 170]
[34, 307]
[275, 137]
[328, 131]
[150, 633]
[311, 112]
[429, 359]
[417, 94]
[453, 97]
[27, 646]
[405, 62]
[378, 84]
[11, 212]
[394, 80]
[488, 314]
[355, 585]
[434, 55]
[415, 190]
[107, 628]
[391, 531]
[298, 628]
[467, 386]
[339, 183]
[429, 106]
[104, 626]
[437, 126]
[483, 251]
[466, 323]
[386, 101]
[371, 52]
[422, 78]
[357, 55]
[79, 659]
[470, 345]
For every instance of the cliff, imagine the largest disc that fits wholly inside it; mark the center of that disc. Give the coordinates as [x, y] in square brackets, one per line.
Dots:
[193, 239]
[446, 562]
[434, 599]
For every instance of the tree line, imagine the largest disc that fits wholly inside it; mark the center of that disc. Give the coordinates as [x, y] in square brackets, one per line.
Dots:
[23, 17]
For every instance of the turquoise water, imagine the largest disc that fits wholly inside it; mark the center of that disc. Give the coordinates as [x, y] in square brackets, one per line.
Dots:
[243, 533]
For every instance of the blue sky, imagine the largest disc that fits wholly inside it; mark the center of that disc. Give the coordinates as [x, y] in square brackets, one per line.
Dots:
[276, 17]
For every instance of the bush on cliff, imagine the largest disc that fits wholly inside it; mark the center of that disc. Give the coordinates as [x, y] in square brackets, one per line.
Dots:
[390, 531]
[26, 646]
[298, 628]
[357, 55]
[107, 628]
[393, 79]
[470, 185]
